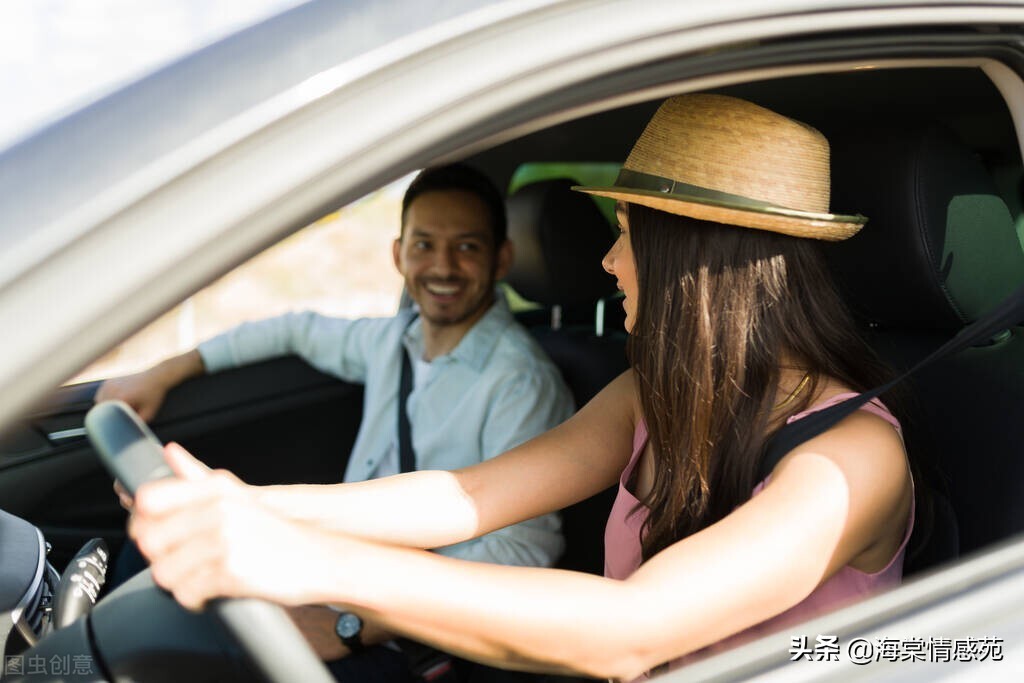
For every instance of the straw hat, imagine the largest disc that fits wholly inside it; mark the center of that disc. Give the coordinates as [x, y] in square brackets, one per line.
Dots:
[722, 159]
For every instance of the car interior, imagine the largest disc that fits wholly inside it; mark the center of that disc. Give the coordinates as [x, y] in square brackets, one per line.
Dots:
[930, 155]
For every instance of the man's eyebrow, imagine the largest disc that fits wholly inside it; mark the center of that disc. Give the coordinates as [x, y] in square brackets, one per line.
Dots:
[472, 234]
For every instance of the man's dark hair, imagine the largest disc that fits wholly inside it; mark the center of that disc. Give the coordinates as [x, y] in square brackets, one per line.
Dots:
[466, 179]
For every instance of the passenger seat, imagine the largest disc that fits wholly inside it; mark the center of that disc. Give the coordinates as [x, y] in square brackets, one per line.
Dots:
[560, 237]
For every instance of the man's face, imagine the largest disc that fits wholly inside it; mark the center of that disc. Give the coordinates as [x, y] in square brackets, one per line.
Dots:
[448, 257]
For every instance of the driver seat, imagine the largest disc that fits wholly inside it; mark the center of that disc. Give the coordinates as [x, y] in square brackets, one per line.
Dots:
[939, 250]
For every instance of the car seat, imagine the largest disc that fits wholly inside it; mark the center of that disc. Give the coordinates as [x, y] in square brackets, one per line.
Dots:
[938, 251]
[560, 237]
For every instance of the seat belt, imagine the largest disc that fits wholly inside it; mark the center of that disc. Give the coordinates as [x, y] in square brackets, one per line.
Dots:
[426, 663]
[1006, 314]
[406, 455]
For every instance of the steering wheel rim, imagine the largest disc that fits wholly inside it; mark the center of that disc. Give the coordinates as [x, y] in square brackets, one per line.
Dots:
[133, 455]
[173, 644]
[263, 631]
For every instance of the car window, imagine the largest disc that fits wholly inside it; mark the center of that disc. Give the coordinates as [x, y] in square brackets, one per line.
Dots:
[339, 265]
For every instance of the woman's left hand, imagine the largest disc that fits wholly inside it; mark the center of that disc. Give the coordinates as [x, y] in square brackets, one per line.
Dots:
[206, 536]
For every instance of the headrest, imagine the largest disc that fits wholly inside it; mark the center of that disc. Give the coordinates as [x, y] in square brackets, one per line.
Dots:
[939, 248]
[560, 237]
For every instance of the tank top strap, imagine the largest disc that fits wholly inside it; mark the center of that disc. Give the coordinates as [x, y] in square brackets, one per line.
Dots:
[874, 406]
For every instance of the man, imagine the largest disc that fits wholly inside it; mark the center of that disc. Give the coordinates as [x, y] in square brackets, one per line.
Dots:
[480, 384]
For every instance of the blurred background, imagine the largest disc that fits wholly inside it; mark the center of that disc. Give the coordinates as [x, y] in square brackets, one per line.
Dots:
[341, 265]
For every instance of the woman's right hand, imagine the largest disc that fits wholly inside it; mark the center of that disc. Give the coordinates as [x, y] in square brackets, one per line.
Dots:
[206, 536]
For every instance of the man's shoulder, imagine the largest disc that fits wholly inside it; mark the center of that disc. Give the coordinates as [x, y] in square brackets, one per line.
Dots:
[521, 371]
[519, 351]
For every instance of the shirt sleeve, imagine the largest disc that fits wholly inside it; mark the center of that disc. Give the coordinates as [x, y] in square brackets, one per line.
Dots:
[336, 346]
[525, 405]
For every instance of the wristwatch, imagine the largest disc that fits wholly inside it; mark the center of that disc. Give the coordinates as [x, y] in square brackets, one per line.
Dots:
[349, 627]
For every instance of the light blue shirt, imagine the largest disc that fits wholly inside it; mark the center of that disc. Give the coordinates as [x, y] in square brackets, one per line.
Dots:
[492, 392]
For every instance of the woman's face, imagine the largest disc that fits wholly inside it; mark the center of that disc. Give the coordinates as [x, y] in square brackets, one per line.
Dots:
[619, 262]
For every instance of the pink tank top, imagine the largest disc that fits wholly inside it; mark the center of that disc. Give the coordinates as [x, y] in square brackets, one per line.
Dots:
[623, 550]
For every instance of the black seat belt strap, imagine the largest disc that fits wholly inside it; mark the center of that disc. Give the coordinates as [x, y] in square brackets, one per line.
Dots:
[1009, 312]
[425, 663]
[406, 455]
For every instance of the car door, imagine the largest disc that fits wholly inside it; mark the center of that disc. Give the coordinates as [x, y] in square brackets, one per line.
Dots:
[279, 421]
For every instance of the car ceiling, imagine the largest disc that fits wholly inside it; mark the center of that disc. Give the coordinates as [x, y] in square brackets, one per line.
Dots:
[963, 99]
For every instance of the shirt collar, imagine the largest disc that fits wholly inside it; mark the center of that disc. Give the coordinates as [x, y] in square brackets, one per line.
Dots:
[475, 348]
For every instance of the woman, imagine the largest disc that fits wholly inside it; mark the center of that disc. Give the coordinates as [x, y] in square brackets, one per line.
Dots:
[734, 330]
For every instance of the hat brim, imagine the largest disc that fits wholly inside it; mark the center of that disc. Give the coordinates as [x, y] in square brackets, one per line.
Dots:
[821, 226]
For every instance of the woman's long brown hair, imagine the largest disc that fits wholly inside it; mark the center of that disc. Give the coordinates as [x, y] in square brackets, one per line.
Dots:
[719, 309]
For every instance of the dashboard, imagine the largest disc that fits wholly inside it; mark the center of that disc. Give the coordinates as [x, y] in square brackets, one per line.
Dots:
[58, 624]
[28, 584]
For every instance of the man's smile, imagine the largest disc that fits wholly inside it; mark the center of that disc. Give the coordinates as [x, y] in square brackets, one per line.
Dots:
[444, 289]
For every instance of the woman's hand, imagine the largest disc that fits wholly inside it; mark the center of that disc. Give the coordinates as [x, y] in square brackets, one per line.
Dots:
[206, 536]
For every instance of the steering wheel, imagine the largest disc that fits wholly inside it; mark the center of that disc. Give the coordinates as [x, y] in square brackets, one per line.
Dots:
[265, 634]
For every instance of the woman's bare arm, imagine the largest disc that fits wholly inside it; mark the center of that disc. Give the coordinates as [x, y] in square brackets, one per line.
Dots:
[826, 505]
[429, 509]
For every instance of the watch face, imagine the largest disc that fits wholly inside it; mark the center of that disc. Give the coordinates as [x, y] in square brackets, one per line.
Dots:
[348, 625]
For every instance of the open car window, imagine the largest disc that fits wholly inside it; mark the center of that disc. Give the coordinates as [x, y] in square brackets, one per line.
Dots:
[340, 265]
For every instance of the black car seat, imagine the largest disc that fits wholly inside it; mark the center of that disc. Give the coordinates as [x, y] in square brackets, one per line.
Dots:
[560, 237]
[938, 251]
